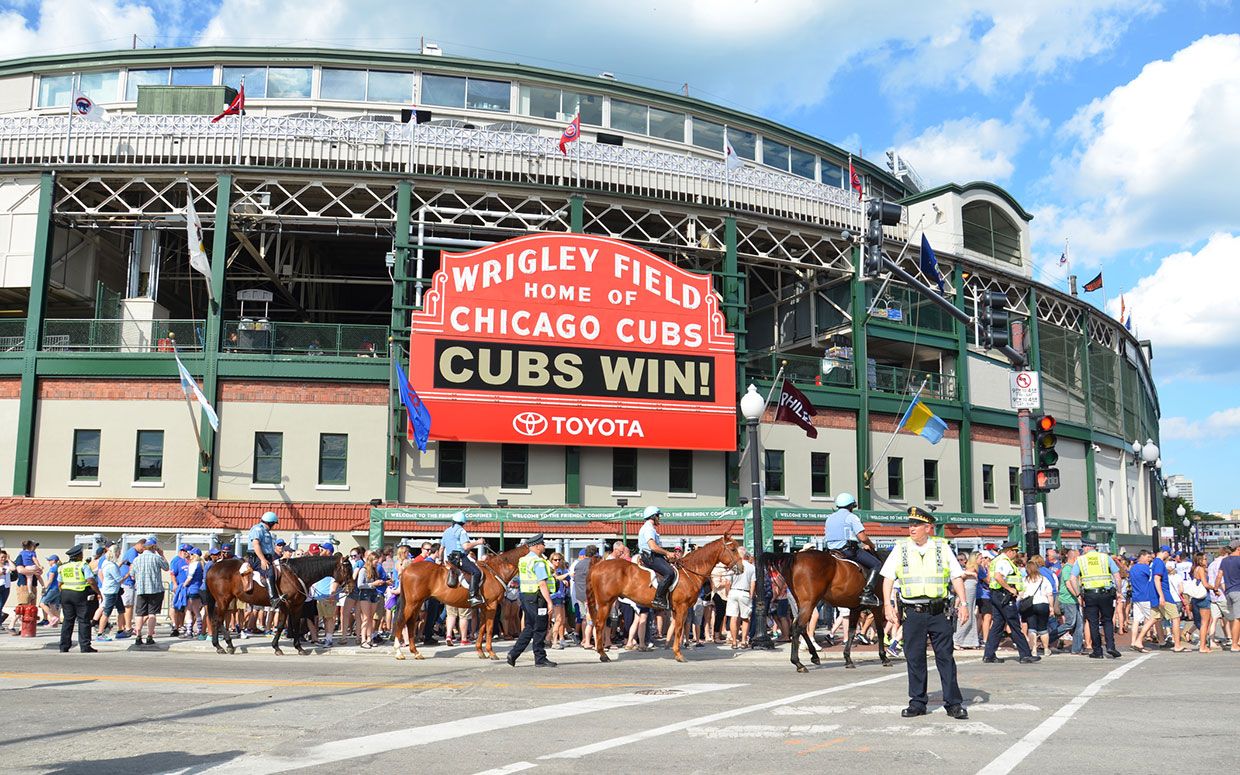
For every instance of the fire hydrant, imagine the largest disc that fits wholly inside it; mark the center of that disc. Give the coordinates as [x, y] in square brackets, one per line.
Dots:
[29, 617]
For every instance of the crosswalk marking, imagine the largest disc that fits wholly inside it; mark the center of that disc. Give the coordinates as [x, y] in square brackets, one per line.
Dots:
[761, 730]
[884, 710]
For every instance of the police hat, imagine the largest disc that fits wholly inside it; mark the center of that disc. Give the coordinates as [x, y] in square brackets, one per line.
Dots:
[1009, 545]
[918, 516]
[75, 550]
[1088, 542]
[535, 540]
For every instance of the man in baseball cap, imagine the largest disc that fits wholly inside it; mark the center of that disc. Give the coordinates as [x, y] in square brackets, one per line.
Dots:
[1005, 586]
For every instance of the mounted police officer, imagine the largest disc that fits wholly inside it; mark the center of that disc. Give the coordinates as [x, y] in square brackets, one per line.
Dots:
[1099, 577]
[845, 534]
[456, 545]
[1006, 582]
[925, 566]
[654, 556]
[262, 556]
[537, 584]
[79, 596]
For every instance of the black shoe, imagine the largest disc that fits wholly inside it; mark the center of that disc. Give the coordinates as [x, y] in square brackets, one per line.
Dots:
[64, 651]
[660, 603]
[957, 712]
[912, 711]
[1095, 656]
[993, 660]
[90, 650]
[546, 663]
[1029, 660]
[511, 660]
[1114, 653]
[429, 642]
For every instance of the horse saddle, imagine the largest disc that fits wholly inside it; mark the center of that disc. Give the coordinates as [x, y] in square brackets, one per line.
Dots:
[654, 578]
[454, 570]
[839, 555]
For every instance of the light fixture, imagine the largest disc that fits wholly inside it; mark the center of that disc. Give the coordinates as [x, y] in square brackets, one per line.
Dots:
[1179, 512]
[1149, 453]
[1158, 464]
[501, 502]
[1136, 447]
[1173, 491]
[375, 501]
[622, 502]
[743, 501]
[752, 404]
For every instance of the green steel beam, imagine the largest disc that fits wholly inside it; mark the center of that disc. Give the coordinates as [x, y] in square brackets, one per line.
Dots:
[398, 326]
[897, 333]
[965, 444]
[28, 400]
[211, 347]
[576, 213]
[572, 476]
[734, 317]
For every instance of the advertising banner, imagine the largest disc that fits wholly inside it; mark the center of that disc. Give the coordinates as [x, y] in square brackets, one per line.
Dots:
[574, 340]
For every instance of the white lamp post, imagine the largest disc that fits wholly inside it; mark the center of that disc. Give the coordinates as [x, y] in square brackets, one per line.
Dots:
[752, 407]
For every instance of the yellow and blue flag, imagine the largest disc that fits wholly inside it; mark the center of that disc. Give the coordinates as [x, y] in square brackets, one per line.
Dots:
[920, 420]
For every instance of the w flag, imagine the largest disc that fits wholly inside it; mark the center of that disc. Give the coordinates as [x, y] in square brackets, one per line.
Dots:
[571, 134]
[197, 251]
[85, 107]
[1063, 258]
[730, 159]
[419, 416]
[794, 407]
[191, 389]
[930, 264]
[854, 179]
[236, 107]
[920, 420]
[1094, 284]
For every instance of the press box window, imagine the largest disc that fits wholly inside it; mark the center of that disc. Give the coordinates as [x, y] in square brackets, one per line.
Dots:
[514, 467]
[149, 458]
[624, 470]
[895, 478]
[774, 472]
[255, 80]
[287, 83]
[932, 479]
[268, 457]
[680, 470]
[333, 458]
[136, 78]
[556, 104]
[820, 474]
[451, 458]
[85, 456]
[988, 484]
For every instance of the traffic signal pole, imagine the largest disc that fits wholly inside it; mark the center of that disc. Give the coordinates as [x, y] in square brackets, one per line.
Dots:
[1028, 486]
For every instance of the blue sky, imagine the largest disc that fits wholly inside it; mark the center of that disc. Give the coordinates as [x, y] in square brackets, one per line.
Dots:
[1115, 122]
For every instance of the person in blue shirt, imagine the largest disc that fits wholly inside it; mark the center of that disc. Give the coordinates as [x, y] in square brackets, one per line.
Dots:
[456, 545]
[654, 556]
[262, 546]
[1168, 610]
[51, 592]
[176, 570]
[845, 534]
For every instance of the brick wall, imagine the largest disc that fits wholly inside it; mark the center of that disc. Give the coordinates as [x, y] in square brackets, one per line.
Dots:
[991, 434]
[825, 418]
[886, 423]
[287, 392]
[110, 389]
[10, 388]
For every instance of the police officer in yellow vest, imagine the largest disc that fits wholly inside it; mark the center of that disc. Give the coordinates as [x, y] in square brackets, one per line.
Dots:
[1099, 577]
[537, 584]
[1005, 585]
[925, 566]
[79, 596]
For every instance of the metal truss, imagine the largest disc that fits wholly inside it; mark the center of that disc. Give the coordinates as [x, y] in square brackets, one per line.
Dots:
[1059, 313]
[1104, 333]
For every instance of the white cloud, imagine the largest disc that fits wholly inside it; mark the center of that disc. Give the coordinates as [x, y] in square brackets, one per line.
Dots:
[968, 149]
[1156, 159]
[74, 25]
[1217, 426]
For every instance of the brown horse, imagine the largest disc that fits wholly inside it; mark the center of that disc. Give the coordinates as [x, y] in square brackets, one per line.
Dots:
[420, 580]
[609, 580]
[225, 583]
[822, 577]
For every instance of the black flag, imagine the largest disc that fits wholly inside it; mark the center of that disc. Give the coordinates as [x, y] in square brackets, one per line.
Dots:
[1094, 284]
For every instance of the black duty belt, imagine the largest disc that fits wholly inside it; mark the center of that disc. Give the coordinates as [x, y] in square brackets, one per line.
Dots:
[933, 607]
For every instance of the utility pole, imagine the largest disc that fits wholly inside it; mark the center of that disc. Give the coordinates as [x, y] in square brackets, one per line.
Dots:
[1028, 484]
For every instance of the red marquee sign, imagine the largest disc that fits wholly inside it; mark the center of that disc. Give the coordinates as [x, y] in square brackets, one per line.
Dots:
[576, 340]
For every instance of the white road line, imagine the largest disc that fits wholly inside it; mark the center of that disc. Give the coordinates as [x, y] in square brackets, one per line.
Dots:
[514, 767]
[397, 739]
[586, 750]
[976, 728]
[983, 707]
[812, 710]
[761, 730]
[1007, 761]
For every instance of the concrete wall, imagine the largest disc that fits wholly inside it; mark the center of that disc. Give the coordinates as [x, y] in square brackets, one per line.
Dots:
[1110, 474]
[15, 93]
[482, 477]
[989, 383]
[19, 216]
[709, 484]
[1001, 456]
[8, 434]
[839, 443]
[1070, 501]
[914, 451]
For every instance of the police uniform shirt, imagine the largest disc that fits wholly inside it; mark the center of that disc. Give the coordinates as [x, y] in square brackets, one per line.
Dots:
[454, 539]
[841, 527]
[262, 534]
[1080, 567]
[892, 564]
[647, 534]
[1002, 568]
[88, 575]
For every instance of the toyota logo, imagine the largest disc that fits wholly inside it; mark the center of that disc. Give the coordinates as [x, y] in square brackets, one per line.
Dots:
[529, 424]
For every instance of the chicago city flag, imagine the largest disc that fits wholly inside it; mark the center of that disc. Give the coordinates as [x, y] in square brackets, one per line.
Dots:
[795, 407]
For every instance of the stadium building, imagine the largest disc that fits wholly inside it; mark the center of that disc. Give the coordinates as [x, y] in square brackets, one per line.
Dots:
[328, 211]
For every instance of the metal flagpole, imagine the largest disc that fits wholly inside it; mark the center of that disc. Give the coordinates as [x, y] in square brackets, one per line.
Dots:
[869, 474]
[727, 172]
[774, 383]
[240, 121]
[192, 417]
[69, 124]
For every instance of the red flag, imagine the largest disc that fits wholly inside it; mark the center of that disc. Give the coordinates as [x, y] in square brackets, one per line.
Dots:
[854, 179]
[571, 134]
[796, 408]
[235, 107]
[1094, 284]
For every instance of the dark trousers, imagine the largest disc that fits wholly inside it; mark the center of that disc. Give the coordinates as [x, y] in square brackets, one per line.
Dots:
[535, 628]
[80, 606]
[1100, 610]
[918, 626]
[862, 556]
[659, 564]
[1005, 617]
[433, 609]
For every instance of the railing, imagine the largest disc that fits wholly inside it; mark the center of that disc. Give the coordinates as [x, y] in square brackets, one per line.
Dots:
[123, 335]
[802, 370]
[313, 339]
[12, 336]
[488, 154]
[893, 379]
[904, 306]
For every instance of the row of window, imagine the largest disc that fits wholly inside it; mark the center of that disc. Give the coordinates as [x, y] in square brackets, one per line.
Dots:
[514, 468]
[450, 91]
[268, 457]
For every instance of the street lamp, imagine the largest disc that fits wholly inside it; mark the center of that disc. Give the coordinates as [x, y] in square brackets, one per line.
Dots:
[1149, 452]
[752, 407]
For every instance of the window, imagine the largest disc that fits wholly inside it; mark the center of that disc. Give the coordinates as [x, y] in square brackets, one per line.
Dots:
[268, 456]
[545, 102]
[590, 106]
[451, 459]
[255, 80]
[680, 470]
[667, 125]
[540, 102]
[707, 134]
[383, 86]
[988, 484]
[628, 116]
[931, 479]
[514, 467]
[138, 78]
[333, 458]
[820, 474]
[342, 84]
[1013, 485]
[803, 164]
[488, 95]
[775, 154]
[85, 456]
[193, 76]
[149, 458]
[989, 232]
[54, 90]
[774, 472]
[744, 143]
[101, 87]
[286, 83]
[624, 470]
[832, 174]
[445, 90]
[895, 478]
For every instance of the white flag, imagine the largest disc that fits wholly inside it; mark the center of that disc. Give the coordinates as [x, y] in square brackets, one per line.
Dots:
[729, 154]
[197, 251]
[191, 388]
[85, 107]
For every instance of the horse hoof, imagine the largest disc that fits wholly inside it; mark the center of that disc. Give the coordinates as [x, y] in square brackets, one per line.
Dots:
[303, 652]
[851, 666]
[604, 658]
[232, 649]
[802, 669]
[220, 650]
[278, 652]
[400, 655]
[815, 660]
[493, 655]
[886, 664]
[681, 658]
[419, 656]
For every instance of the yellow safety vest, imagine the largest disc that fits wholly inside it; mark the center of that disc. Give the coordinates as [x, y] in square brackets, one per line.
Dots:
[1002, 566]
[1095, 570]
[73, 577]
[525, 571]
[923, 576]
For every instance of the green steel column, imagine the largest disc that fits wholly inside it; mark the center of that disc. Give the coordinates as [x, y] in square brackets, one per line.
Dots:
[572, 476]
[734, 316]
[211, 347]
[1091, 472]
[576, 213]
[396, 329]
[28, 402]
[966, 413]
[860, 372]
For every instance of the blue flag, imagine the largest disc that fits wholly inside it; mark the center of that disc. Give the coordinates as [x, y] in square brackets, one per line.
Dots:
[929, 264]
[419, 415]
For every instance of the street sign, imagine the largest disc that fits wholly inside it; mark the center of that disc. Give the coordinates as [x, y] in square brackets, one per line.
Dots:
[1026, 390]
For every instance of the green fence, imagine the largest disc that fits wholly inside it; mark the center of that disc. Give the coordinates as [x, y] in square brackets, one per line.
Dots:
[335, 339]
[893, 379]
[123, 336]
[802, 370]
[12, 336]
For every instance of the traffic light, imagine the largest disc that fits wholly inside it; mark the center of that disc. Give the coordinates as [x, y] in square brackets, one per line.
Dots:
[1046, 476]
[878, 214]
[993, 316]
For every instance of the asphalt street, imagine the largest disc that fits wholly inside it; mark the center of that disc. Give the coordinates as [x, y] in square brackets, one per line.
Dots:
[188, 710]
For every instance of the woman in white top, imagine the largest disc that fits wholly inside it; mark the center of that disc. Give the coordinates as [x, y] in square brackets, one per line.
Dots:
[1036, 614]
